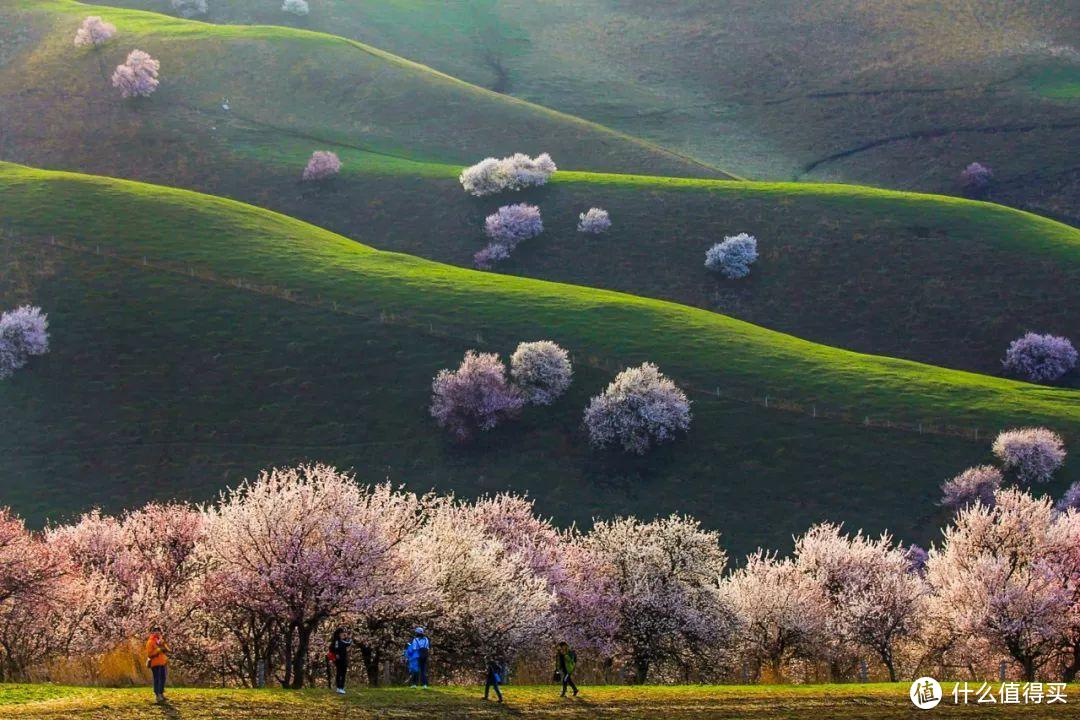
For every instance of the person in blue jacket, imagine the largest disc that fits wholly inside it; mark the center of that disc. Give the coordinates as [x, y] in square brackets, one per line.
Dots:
[495, 675]
[416, 655]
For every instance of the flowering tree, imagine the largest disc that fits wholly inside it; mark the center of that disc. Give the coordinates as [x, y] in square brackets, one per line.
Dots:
[138, 76]
[542, 370]
[1031, 454]
[490, 602]
[781, 612]
[1070, 499]
[474, 398]
[94, 32]
[513, 224]
[189, 8]
[639, 408]
[975, 180]
[874, 601]
[916, 557]
[490, 176]
[296, 7]
[322, 165]
[299, 545]
[733, 257]
[493, 253]
[595, 221]
[662, 581]
[23, 334]
[992, 580]
[977, 484]
[1040, 358]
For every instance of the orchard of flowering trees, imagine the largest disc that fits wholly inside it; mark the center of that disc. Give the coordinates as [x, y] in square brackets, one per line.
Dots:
[250, 586]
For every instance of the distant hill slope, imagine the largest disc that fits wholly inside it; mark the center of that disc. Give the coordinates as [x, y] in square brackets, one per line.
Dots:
[276, 79]
[924, 278]
[893, 93]
[195, 340]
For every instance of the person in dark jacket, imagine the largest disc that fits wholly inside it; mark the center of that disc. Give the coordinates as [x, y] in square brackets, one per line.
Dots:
[339, 656]
[495, 676]
[565, 662]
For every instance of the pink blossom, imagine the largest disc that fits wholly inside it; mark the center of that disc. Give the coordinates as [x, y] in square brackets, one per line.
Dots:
[1031, 454]
[94, 32]
[322, 166]
[474, 398]
[138, 76]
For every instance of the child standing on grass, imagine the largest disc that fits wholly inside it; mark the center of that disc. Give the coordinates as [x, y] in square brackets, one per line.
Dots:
[157, 659]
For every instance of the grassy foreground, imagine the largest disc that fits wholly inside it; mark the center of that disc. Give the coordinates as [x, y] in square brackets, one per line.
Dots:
[869, 702]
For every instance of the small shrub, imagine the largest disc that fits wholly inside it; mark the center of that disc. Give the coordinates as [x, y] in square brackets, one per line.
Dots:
[1032, 454]
[638, 409]
[975, 180]
[977, 484]
[296, 7]
[732, 257]
[512, 224]
[138, 76]
[1040, 358]
[322, 166]
[542, 370]
[94, 32]
[490, 176]
[189, 8]
[23, 334]
[594, 221]
[475, 397]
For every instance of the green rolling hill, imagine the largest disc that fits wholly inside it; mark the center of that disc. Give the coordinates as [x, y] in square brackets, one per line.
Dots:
[894, 93]
[196, 339]
[925, 278]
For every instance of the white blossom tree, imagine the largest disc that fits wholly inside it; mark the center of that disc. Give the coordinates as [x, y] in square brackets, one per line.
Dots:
[542, 370]
[640, 408]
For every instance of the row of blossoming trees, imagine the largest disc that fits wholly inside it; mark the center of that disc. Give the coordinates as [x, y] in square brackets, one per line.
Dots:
[249, 587]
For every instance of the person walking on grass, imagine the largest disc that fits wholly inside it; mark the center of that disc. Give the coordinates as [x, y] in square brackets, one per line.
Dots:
[417, 654]
[495, 672]
[565, 662]
[157, 659]
[339, 657]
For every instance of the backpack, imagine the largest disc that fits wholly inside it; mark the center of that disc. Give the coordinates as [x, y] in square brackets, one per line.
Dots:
[422, 651]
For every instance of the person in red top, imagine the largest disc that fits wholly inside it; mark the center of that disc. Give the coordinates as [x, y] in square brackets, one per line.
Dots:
[157, 658]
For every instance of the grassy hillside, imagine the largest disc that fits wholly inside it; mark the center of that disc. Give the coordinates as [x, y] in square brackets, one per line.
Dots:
[276, 79]
[892, 93]
[859, 702]
[929, 279]
[196, 340]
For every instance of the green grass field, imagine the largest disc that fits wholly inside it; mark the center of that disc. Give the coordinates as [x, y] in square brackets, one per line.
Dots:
[857, 702]
[196, 340]
[925, 278]
[892, 93]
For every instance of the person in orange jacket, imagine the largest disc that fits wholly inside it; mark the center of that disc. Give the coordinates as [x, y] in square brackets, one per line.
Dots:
[157, 658]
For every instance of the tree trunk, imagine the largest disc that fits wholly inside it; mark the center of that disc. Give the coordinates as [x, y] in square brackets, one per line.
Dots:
[1069, 673]
[299, 659]
[288, 651]
[641, 670]
[371, 657]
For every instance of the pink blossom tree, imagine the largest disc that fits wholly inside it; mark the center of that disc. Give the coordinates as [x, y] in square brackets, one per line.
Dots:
[640, 408]
[542, 370]
[663, 590]
[992, 579]
[782, 612]
[490, 255]
[594, 221]
[137, 76]
[873, 599]
[513, 224]
[1040, 358]
[474, 398]
[94, 32]
[299, 546]
[1031, 454]
[23, 334]
[976, 484]
[975, 180]
[322, 165]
